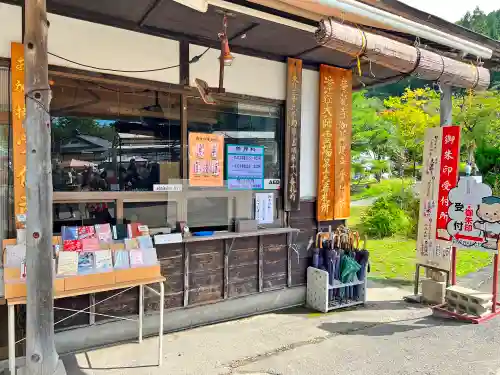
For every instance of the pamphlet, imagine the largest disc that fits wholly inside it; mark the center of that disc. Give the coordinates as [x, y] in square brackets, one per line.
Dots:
[136, 258]
[86, 232]
[122, 260]
[67, 264]
[91, 244]
[72, 245]
[69, 233]
[15, 255]
[85, 263]
[149, 257]
[145, 242]
[103, 261]
[131, 243]
[103, 232]
[120, 231]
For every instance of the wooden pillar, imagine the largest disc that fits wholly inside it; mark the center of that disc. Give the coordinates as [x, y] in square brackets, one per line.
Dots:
[446, 106]
[41, 356]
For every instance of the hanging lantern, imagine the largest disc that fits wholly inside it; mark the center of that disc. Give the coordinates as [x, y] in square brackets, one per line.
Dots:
[225, 52]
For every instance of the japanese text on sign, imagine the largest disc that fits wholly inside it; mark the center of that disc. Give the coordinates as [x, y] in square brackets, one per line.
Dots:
[431, 251]
[18, 110]
[325, 188]
[245, 167]
[206, 159]
[292, 132]
[474, 216]
[342, 154]
[448, 176]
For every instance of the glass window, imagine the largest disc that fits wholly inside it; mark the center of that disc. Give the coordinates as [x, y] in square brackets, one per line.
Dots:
[241, 124]
[112, 138]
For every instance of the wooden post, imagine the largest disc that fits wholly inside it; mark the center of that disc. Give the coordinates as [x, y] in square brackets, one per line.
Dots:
[41, 356]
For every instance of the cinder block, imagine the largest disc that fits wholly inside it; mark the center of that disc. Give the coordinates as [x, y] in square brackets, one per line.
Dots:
[465, 294]
[438, 276]
[433, 291]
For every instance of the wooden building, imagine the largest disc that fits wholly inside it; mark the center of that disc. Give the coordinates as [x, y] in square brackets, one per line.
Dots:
[124, 103]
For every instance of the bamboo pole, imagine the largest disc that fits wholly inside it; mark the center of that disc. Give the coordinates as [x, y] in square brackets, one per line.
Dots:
[41, 355]
[401, 57]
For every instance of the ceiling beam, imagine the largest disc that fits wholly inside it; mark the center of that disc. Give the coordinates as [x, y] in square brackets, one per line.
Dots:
[148, 12]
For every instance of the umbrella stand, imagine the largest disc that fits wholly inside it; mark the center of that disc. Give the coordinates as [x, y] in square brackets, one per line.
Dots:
[337, 278]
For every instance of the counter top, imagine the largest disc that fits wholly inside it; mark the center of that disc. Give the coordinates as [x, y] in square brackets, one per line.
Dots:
[229, 235]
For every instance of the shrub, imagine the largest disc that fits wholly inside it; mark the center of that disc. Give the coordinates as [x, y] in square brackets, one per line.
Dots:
[407, 201]
[384, 218]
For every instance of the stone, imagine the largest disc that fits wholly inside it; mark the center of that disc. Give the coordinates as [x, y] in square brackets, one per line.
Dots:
[433, 291]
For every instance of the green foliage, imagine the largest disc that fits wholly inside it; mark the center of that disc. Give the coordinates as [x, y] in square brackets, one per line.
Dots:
[384, 187]
[482, 23]
[488, 163]
[64, 128]
[384, 219]
[370, 132]
[406, 199]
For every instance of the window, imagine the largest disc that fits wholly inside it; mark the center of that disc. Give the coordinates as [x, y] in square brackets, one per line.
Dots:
[111, 138]
[253, 127]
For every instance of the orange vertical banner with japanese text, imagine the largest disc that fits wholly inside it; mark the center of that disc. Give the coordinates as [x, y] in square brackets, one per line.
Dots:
[18, 111]
[324, 209]
[342, 144]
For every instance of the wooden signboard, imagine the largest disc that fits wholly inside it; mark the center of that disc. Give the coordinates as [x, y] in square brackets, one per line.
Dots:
[335, 111]
[342, 144]
[326, 128]
[292, 134]
[18, 111]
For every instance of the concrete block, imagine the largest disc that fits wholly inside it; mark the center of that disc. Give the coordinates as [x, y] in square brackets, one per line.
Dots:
[433, 291]
[459, 293]
[438, 276]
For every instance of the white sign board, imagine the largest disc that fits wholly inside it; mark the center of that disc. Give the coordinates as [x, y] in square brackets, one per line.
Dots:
[264, 208]
[271, 184]
[431, 251]
[475, 216]
[162, 239]
[167, 187]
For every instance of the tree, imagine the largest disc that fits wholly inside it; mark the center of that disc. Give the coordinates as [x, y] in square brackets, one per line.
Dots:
[479, 116]
[411, 114]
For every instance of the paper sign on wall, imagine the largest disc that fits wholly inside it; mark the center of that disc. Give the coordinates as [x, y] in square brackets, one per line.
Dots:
[245, 167]
[206, 160]
[264, 208]
[475, 216]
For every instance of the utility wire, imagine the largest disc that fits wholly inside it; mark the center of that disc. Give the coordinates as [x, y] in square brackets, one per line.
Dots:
[192, 61]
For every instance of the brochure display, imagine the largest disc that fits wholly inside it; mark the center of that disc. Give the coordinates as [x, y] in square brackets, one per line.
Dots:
[89, 260]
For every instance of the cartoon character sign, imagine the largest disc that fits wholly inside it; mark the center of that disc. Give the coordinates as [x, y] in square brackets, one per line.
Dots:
[489, 224]
[475, 216]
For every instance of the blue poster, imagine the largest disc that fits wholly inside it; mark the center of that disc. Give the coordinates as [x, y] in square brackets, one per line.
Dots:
[245, 167]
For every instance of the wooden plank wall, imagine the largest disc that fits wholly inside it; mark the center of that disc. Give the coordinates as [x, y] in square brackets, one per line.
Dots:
[215, 270]
[305, 220]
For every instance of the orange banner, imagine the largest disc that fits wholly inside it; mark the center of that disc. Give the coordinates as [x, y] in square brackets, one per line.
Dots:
[206, 160]
[18, 111]
[326, 144]
[342, 144]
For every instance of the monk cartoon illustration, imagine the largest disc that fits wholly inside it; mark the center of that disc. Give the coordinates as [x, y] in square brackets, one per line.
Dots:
[489, 215]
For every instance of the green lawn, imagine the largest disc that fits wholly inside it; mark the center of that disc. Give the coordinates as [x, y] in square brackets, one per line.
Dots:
[394, 258]
[383, 187]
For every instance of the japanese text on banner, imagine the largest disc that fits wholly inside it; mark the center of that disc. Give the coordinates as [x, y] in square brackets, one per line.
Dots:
[18, 132]
[448, 176]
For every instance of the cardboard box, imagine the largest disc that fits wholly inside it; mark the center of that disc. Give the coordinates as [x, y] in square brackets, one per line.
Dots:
[139, 273]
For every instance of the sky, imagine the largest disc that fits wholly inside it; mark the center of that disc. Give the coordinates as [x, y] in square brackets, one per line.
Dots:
[452, 10]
